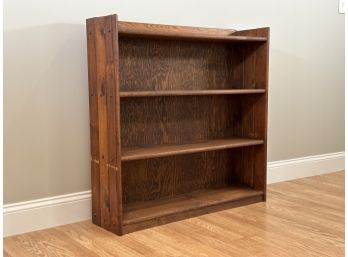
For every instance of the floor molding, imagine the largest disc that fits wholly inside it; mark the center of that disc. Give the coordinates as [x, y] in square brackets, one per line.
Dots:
[59, 210]
[46, 212]
[285, 170]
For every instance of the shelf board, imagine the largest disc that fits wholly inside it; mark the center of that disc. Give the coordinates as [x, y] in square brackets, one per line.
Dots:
[191, 92]
[198, 202]
[137, 153]
[156, 31]
[193, 37]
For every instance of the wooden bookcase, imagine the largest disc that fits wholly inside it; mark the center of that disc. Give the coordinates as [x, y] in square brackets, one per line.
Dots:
[178, 120]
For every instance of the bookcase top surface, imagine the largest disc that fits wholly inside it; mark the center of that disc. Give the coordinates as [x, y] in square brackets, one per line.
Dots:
[148, 30]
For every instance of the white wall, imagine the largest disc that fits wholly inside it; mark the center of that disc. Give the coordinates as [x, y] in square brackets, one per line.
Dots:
[46, 125]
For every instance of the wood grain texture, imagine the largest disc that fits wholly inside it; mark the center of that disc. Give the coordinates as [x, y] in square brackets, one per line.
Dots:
[261, 111]
[169, 177]
[94, 122]
[137, 153]
[192, 201]
[138, 27]
[183, 120]
[158, 31]
[301, 218]
[174, 110]
[104, 109]
[191, 92]
[181, 65]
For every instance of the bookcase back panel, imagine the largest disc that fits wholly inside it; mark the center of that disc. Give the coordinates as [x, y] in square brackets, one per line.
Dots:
[167, 177]
[178, 120]
[150, 64]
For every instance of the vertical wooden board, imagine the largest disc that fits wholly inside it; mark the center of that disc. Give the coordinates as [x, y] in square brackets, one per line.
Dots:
[110, 90]
[261, 110]
[249, 66]
[103, 122]
[260, 107]
[261, 66]
[93, 95]
[260, 117]
[95, 192]
[260, 156]
[262, 57]
[248, 120]
[237, 66]
[94, 122]
[113, 109]
[247, 177]
[104, 85]
[260, 169]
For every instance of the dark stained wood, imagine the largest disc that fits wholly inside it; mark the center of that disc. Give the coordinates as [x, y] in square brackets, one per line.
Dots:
[147, 121]
[169, 177]
[149, 179]
[191, 92]
[255, 72]
[142, 28]
[178, 119]
[114, 135]
[95, 188]
[179, 65]
[129, 154]
[186, 205]
[185, 202]
[147, 30]
[94, 123]
[104, 94]
[260, 109]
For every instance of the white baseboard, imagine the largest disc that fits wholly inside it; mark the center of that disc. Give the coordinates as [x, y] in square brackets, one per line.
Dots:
[48, 212]
[64, 209]
[304, 167]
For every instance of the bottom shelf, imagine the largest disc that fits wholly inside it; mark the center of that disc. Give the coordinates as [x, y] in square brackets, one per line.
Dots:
[141, 215]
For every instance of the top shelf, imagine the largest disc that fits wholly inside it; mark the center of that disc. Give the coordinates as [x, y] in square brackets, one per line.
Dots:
[145, 30]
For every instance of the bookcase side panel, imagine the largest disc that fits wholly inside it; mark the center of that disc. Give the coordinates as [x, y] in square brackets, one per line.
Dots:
[105, 102]
[255, 75]
[94, 123]
[261, 111]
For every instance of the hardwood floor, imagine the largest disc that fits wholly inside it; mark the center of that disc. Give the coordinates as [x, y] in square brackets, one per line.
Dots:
[302, 217]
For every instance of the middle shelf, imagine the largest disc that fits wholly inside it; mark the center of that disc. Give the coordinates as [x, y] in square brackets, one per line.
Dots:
[191, 92]
[138, 153]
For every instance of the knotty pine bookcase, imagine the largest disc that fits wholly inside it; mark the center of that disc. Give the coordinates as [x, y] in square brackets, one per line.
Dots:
[178, 121]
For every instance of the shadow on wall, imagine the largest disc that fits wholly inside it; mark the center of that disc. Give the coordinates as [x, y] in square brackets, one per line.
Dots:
[46, 124]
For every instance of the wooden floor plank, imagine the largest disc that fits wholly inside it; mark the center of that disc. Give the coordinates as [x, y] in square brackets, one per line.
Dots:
[303, 217]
